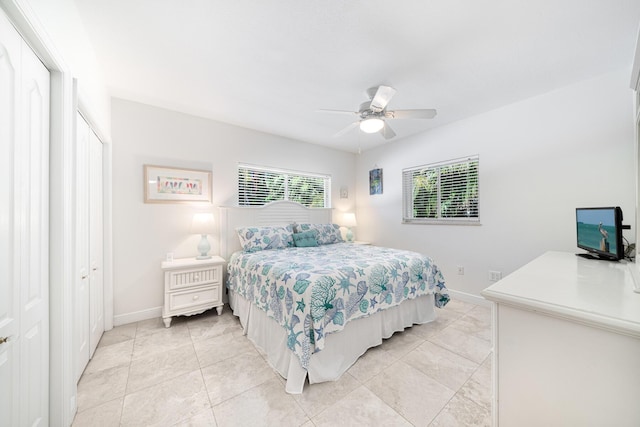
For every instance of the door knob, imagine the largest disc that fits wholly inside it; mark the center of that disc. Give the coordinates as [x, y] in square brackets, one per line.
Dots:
[4, 340]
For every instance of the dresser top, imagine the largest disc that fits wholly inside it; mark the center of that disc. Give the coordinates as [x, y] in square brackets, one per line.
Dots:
[600, 293]
[192, 262]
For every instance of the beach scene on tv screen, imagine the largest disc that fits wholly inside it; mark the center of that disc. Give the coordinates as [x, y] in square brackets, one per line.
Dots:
[596, 229]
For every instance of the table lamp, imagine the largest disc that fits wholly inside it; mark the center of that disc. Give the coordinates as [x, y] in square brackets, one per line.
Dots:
[202, 224]
[348, 221]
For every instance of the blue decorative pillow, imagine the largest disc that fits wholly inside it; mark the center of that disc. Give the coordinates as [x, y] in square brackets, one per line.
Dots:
[255, 239]
[305, 239]
[327, 234]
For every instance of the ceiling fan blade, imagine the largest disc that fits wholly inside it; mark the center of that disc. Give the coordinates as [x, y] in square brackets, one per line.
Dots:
[411, 114]
[346, 130]
[381, 98]
[322, 110]
[387, 132]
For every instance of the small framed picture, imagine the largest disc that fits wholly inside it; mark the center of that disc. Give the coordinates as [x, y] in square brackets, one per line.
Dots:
[375, 181]
[163, 184]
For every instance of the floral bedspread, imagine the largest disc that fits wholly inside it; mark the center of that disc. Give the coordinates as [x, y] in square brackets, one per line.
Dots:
[315, 291]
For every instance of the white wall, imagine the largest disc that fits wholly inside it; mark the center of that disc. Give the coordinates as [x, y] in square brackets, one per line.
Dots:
[62, 22]
[539, 160]
[144, 233]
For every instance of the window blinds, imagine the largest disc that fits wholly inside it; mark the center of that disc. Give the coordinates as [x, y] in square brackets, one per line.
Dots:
[441, 192]
[259, 185]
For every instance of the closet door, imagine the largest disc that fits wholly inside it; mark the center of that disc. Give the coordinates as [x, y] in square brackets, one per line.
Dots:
[24, 217]
[81, 297]
[9, 293]
[96, 243]
[89, 293]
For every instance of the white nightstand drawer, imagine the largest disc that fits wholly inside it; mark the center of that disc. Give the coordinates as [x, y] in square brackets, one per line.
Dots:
[194, 277]
[192, 286]
[183, 300]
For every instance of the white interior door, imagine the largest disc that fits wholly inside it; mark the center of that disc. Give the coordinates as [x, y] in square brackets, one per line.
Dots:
[24, 218]
[96, 242]
[89, 293]
[9, 293]
[81, 294]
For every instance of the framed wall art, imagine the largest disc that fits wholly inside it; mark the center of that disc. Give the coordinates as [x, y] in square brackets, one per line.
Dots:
[375, 181]
[164, 184]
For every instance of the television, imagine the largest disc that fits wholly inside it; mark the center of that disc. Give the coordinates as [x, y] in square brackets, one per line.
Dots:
[599, 232]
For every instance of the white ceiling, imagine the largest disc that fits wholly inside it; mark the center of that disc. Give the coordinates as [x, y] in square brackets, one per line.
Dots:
[270, 65]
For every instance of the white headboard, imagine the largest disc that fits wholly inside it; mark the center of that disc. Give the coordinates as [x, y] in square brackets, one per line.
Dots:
[275, 213]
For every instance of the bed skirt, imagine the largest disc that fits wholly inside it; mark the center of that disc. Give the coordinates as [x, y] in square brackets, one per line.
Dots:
[342, 349]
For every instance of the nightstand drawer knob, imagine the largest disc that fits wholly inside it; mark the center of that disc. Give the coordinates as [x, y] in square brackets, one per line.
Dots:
[195, 297]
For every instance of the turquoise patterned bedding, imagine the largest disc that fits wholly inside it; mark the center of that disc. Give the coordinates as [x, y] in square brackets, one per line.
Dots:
[315, 291]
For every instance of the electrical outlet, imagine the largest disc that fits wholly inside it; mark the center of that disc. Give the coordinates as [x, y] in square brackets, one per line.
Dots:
[494, 276]
[460, 270]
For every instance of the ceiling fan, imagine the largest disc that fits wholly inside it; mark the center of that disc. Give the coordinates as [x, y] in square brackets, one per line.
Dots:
[372, 113]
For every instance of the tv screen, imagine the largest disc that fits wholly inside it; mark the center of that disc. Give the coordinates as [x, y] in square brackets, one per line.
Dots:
[599, 232]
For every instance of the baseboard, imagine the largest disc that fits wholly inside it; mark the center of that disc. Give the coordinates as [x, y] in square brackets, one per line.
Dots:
[123, 319]
[470, 298]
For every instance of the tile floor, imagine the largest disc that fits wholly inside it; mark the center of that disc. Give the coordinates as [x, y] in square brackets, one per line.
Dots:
[203, 372]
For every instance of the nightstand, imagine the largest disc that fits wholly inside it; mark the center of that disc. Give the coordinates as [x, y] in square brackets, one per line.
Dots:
[192, 286]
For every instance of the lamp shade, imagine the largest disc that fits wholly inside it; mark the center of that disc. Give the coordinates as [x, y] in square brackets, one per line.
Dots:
[349, 220]
[372, 125]
[202, 223]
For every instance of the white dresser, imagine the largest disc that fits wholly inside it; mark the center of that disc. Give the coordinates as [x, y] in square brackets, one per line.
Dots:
[192, 286]
[566, 344]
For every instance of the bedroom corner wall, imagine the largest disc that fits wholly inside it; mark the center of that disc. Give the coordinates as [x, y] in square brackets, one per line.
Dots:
[144, 233]
[539, 160]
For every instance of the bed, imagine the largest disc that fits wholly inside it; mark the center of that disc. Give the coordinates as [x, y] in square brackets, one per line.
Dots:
[314, 304]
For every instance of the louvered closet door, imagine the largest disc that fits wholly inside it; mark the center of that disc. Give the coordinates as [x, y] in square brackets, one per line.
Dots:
[24, 218]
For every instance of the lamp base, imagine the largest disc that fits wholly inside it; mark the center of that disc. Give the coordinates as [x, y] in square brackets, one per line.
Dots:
[203, 248]
[349, 235]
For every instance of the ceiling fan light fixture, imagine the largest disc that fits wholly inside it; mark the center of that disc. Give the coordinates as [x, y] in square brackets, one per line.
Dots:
[372, 125]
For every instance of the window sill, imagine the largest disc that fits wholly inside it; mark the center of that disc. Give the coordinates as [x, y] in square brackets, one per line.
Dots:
[442, 222]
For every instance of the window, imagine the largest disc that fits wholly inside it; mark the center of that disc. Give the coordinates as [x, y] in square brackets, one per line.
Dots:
[259, 185]
[444, 192]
